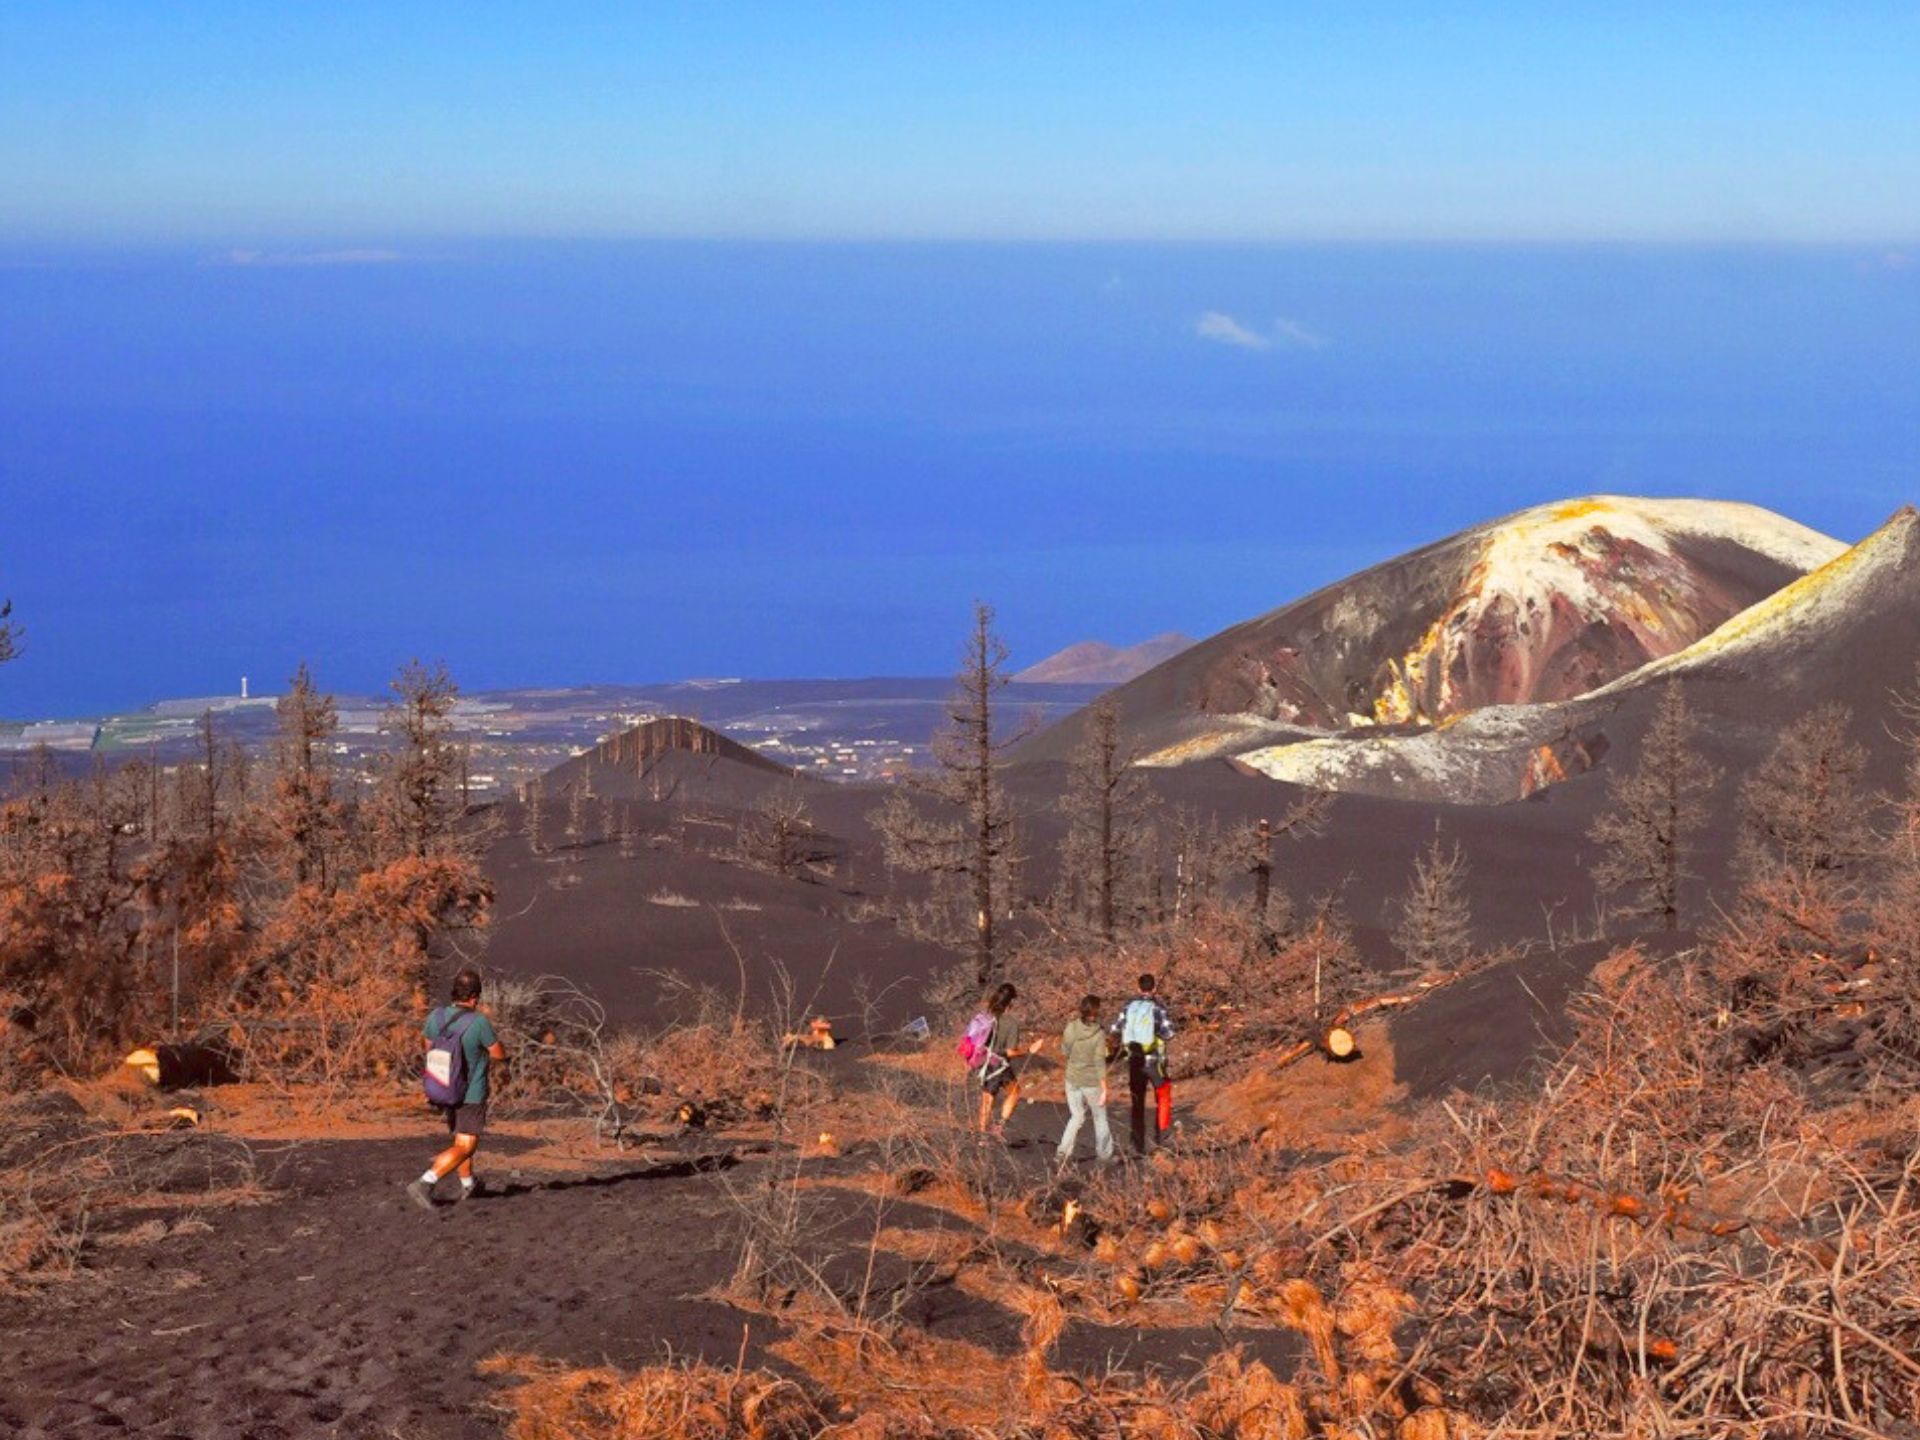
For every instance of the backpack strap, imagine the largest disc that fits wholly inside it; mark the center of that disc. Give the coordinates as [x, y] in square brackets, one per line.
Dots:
[995, 1063]
[457, 1014]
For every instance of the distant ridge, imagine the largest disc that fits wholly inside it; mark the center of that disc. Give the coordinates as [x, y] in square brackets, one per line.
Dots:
[1094, 662]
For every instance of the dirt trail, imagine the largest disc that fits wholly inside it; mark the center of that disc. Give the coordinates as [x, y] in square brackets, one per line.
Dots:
[344, 1310]
[339, 1308]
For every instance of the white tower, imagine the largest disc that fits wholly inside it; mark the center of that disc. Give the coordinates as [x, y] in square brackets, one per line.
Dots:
[243, 687]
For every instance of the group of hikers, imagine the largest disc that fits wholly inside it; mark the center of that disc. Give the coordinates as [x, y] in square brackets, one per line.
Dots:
[462, 1049]
[992, 1046]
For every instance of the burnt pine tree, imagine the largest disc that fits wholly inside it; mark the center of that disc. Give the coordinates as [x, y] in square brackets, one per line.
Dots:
[1200, 852]
[1435, 926]
[778, 833]
[1894, 918]
[577, 811]
[970, 851]
[1896, 909]
[1658, 809]
[1106, 803]
[1806, 808]
[417, 802]
[305, 818]
[1305, 818]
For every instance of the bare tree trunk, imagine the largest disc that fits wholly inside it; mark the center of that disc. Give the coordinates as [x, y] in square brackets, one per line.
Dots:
[1263, 879]
[982, 683]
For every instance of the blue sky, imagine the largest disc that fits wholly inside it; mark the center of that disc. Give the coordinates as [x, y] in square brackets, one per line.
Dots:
[603, 342]
[240, 122]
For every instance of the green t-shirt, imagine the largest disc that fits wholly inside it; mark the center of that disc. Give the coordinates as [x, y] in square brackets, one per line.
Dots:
[1085, 1049]
[475, 1040]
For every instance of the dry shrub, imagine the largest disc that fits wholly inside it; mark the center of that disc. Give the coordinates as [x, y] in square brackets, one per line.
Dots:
[1237, 1400]
[70, 1182]
[730, 1065]
[1236, 992]
[338, 993]
[75, 898]
[1316, 1103]
[1581, 1267]
[687, 1401]
[922, 1388]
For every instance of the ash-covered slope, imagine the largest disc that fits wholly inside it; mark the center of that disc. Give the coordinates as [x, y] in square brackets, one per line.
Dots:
[1540, 606]
[672, 757]
[1847, 632]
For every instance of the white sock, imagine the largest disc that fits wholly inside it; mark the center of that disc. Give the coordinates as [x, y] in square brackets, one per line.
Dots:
[466, 1182]
[429, 1178]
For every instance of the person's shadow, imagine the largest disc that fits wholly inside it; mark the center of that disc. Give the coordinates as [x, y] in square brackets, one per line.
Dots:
[490, 1189]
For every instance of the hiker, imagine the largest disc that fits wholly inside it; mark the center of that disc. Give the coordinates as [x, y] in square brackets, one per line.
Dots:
[461, 1047]
[1086, 1047]
[1144, 1030]
[999, 1076]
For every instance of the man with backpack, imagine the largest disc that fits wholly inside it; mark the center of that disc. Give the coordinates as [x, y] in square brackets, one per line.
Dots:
[461, 1048]
[1143, 1030]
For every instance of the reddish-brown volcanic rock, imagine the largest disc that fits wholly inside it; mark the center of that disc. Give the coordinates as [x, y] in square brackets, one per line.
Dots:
[1541, 606]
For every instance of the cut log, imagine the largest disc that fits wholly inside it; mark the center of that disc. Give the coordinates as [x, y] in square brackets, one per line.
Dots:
[1340, 1043]
[174, 1067]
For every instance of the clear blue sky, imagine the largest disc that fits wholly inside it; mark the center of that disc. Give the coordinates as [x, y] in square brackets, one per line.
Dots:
[632, 342]
[240, 122]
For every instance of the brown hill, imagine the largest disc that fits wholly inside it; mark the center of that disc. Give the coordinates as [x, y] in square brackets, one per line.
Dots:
[1094, 662]
[666, 758]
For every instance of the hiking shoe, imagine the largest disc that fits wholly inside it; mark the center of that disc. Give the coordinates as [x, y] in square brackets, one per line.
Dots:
[420, 1193]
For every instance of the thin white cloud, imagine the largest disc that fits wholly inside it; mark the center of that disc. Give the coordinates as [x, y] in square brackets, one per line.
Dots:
[309, 257]
[1223, 329]
[1292, 332]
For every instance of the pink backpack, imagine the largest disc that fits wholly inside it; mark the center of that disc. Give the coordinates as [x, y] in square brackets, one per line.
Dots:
[973, 1044]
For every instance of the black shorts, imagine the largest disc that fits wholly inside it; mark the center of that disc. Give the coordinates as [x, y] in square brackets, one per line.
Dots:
[995, 1081]
[466, 1119]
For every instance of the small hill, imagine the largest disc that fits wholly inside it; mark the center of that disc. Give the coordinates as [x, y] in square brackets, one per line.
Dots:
[667, 758]
[1094, 662]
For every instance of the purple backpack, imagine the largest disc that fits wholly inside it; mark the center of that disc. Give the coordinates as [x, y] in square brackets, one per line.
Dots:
[445, 1073]
[974, 1044]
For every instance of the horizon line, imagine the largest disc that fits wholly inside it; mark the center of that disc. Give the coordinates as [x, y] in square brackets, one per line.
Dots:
[373, 247]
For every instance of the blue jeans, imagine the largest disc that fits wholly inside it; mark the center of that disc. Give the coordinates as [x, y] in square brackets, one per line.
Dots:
[1082, 1099]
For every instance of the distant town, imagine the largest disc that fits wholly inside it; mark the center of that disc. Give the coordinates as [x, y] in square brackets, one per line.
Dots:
[851, 730]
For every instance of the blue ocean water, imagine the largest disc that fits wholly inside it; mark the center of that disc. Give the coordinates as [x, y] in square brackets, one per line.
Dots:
[554, 462]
